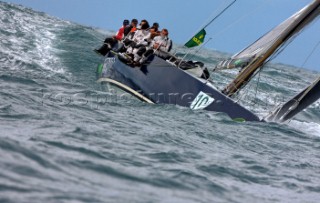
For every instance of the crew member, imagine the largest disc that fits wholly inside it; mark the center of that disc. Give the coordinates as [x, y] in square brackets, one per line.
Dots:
[139, 42]
[110, 42]
[160, 46]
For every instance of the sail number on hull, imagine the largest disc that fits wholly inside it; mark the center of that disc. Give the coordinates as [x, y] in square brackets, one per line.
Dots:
[201, 101]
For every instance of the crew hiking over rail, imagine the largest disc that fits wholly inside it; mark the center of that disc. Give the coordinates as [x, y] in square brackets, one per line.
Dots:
[136, 43]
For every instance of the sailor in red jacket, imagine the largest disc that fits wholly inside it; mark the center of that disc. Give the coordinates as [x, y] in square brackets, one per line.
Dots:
[110, 42]
[120, 34]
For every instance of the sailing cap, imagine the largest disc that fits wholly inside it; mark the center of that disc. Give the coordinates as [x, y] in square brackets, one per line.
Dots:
[126, 22]
[134, 21]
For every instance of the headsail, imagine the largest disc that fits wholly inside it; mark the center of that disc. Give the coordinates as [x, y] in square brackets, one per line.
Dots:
[296, 104]
[254, 56]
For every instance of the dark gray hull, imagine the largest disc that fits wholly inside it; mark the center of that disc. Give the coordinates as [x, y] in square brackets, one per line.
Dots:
[163, 83]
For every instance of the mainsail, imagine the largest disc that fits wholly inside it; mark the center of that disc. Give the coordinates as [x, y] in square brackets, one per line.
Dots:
[253, 57]
[296, 104]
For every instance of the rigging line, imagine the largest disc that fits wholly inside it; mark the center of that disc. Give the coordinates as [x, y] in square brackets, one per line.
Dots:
[241, 95]
[258, 71]
[217, 16]
[258, 82]
[277, 52]
[204, 24]
[308, 57]
[214, 18]
[238, 20]
[202, 45]
[185, 56]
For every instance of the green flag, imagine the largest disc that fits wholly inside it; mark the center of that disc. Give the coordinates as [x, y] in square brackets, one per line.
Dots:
[197, 39]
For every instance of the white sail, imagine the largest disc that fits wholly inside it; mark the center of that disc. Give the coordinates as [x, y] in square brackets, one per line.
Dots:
[255, 55]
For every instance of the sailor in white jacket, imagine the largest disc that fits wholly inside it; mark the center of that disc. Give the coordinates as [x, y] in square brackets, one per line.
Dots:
[139, 42]
[160, 46]
[161, 43]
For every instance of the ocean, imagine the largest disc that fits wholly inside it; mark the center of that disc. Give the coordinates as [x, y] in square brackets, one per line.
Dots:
[65, 139]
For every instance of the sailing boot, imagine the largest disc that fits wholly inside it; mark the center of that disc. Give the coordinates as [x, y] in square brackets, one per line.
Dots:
[143, 59]
[104, 49]
[136, 59]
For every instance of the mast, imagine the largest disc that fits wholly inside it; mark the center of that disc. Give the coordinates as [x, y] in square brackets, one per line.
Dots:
[257, 53]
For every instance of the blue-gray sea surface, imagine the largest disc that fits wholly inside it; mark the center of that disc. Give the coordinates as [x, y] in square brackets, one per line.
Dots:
[63, 138]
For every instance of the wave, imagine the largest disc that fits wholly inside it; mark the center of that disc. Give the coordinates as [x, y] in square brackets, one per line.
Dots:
[309, 128]
[65, 138]
[40, 47]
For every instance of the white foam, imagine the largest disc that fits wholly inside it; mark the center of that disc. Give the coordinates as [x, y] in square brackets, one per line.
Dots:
[310, 128]
[30, 39]
[105, 32]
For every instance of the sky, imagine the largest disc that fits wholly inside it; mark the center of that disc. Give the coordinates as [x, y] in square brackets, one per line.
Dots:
[234, 30]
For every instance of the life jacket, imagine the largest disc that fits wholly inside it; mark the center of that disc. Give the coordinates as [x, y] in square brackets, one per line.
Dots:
[133, 29]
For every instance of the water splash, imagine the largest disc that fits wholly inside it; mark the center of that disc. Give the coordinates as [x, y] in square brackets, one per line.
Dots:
[28, 39]
[309, 128]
